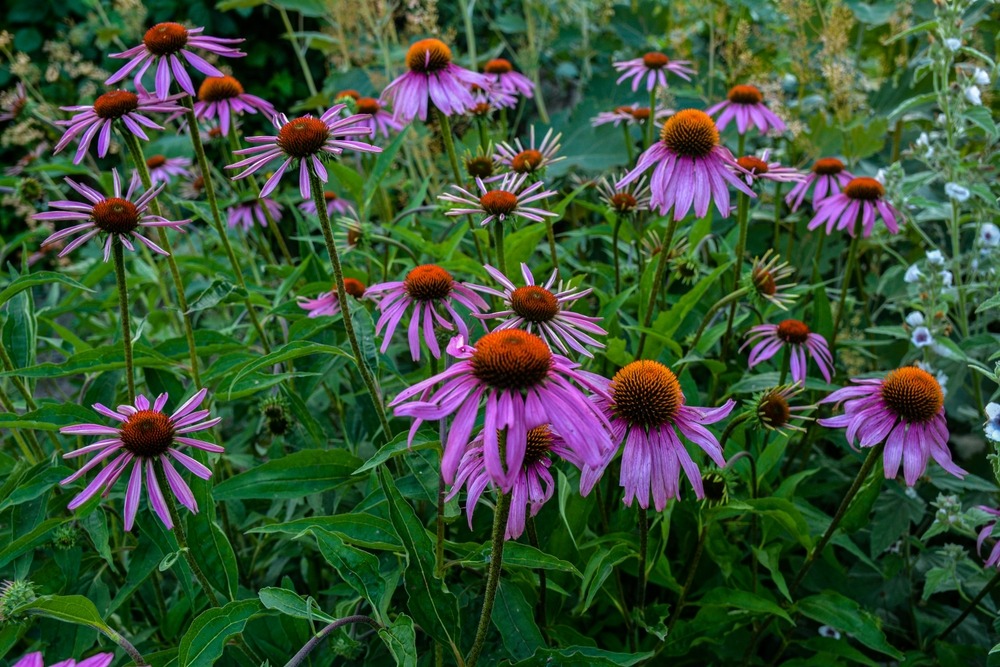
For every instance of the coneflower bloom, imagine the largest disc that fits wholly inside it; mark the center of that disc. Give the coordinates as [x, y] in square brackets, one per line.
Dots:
[347, 93]
[646, 408]
[986, 531]
[626, 200]
[746, 105]
[630, 114]
[162, 169]
[652, 67]
[145, 438]
[771, 409]
[223, 97]
[482, 164]
[379, 120]
[427, 289]
[96, 120]
[35, 660]
[533, 484]
[503, 200]
[766, 281]
[906, 410]
[488, 101]
[690, 167]
[769, 339]
[245, 213]
[503, 78]
[327, 303]
[334, 205]
[305, 139]
[828, 175]
[535, 157]
[164, 45]
[523, 385]
[861, 196]
[118, 216]
[537, 309]
[432, 79]
[758, 168]
[13, 102]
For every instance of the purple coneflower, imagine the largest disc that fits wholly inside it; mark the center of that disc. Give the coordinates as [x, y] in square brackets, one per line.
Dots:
[627, 199]
[222, 97]
[828, 175]
[245, 213]
[96, 119]
[690, 167]
[769, 339]
[334, 204]
[746, 105]
[861, 196]
[147, 437]
[532, 486]
[758, 168]
[327, 303]
[13, 102]
[379, 120]
[161, 45]
[987, 531]
[653, 67]
[26, 160]
[35, 660]
[770, 409]
[630, 114]
[305, 139]
[117, 216]
[162, 169]
[535, 157]
[427, 288]
[523, 385]
[504, 79]
[766, 282]
[645, 407]
[432, 79]
[535, 308]
[906, 410]
[505, 200]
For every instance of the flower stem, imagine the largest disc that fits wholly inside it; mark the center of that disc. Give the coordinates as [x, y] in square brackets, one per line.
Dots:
[493, 576]
[643, 548]
[652, 114]
[786, 362]
[338, 276]
[497, 227]
[449, 146]
[973, 603]
[118, 252]
[139, 160]
[742, 221]
[29, 402]
[552, 245]
[614, 252]
[719, 305]
[213, 204]
[692, 568]
[542, 583]
[234, 145]
[852, 257]
[630, 151]
[126, 645]
[306, 649]
[161, 478]
[661, 269]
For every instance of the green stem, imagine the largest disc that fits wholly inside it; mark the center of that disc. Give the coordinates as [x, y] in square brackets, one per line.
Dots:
[470, 34]
[493, 576]
[449, 146]
[614, 252]
[630, 151]
[786, 362]
[689, 579]
[314, 641]
[234, 145]
[852, 257]
[650, 125]
[299, 56]
[139, 160]
[118, 252]
[777, 214]
[661, 268]
[956, 269]
[550, 233]
[497, 228]
[643, 548]
[338, 277]
[721, 303]
[742, 222]
[213, 204]
[972, 605]
[542, 583]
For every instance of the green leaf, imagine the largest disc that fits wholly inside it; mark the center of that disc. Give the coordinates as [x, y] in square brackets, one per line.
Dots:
[360, 570]
[104, 358]
[992, 302]
[401, 640]
[29, 540]
[293, 476]
[382, 165]
[395, 447]
[205, 640]
[67, 608]
[363, 530]
[745, 600]
[433, 607]
[210, 546]
[519, 246]
[212, 296]
[600, 566]
[349, 178]
[292, 604]
[515, 619]
[48, 417]
[516, 554]
[30, 280]
[583, 655]
[844, 614]
[293, 350]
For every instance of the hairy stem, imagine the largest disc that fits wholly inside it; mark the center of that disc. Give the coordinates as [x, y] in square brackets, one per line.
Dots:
[654, 289]
[307, 648]
[118, 252]
[449, 146]
[493, 576]
[852, 257]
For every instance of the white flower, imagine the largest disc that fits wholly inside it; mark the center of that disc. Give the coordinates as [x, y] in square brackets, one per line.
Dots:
[880, 176]
[912, 274]
[989, 235]
[974, 96]
[946, 278]
[956, 191]
[992, 425]
[922, 337]
[953, 44]
[827, 631]
[980, 77]
[915, 318]
[935, 257]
